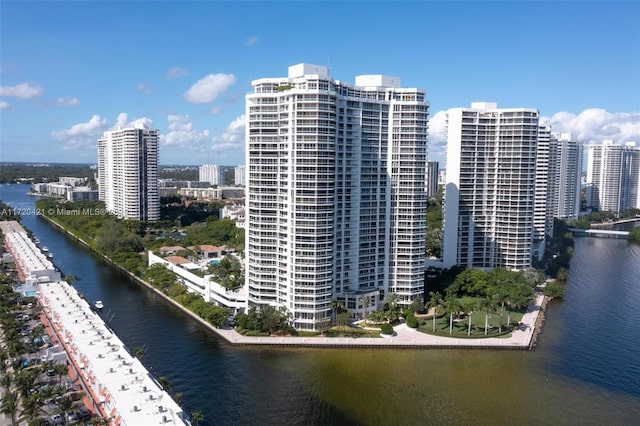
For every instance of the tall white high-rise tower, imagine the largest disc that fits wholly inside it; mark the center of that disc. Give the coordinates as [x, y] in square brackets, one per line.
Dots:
[490, 190]
[335, 192]
[565, 173]
[613, 172]
[128, 172]
[212, 173]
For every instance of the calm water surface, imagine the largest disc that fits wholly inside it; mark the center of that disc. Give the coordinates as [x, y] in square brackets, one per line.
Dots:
[585, 369]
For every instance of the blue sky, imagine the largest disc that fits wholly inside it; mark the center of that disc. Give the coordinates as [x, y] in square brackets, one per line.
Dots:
[71, 70]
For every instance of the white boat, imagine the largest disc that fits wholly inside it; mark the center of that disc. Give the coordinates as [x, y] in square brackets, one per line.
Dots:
[44, 249]
[50, 255]
[98, 305]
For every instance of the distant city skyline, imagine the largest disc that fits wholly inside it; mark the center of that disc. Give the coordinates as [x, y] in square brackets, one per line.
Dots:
[68, 73]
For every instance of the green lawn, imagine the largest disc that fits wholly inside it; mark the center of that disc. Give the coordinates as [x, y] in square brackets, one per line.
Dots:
[460, 326]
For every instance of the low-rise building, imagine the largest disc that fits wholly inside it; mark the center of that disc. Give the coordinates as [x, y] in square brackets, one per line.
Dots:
[120, 386]
[210, 290]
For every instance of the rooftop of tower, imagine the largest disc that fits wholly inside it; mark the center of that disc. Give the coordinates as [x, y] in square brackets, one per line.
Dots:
[368, 81]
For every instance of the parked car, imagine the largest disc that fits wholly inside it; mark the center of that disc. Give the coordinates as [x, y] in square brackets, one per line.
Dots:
[84, 413]
[73, 417]
[56, 419]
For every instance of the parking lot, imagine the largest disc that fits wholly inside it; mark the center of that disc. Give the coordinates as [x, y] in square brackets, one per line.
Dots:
[47, 391]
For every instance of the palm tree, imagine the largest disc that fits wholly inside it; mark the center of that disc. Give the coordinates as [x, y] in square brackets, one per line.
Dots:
[6, 381]
[469, 305]
[452, 305]
[196, 417]
[9, 406]
[32, 408]
[435, 300]
[3, 360]
[500, 298]
[342, 320]
[60, 370]
[487, 305]
[164, 382]
[392, 300]
[336, 306]
[366, 302]
[66, 405]
[25, 379]
[99, 421]
[137, 352]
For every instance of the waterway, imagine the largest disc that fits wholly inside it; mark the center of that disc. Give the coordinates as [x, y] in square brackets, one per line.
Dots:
[585, 369]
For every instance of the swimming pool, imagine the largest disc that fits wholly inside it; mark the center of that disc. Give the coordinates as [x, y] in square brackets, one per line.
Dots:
[31, 293]
[214, 261]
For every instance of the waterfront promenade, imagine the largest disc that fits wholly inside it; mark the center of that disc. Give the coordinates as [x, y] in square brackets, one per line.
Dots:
[403, 337]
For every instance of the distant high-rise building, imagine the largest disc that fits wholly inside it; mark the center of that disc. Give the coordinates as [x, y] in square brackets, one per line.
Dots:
[128, 172]
[431, 178]
[240, 175]
[565, 172]
[613, 173]
[336, 204]
[490, 192]
[212, 173]
[540, 219]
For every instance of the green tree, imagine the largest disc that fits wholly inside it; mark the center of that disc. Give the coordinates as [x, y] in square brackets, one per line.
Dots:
[343, 318]
[433, 234]
[392, 301]
[336, 307]
[435, 301]
[138, 352]
[562, 274]
[452, 306]
[469, 305]
[365, 301]
[31, 408]
[554, 289]
[60, 370]
[488, 305]
[196, 417]
[164, 383]
[9, 406]
[411, 321]
[386, 329]
[417, 305]
[66, 405]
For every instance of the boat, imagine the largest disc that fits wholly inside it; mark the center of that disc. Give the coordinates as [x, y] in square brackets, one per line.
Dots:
[44, 249]
[50, 255]
[98, 305]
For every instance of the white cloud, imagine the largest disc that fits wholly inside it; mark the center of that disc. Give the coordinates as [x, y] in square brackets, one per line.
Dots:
[182, 134]
[4, 105]
[82, 135]
[232, 138]
[209, 88]
[438, 137]
[86, 135]
[68, 101]
[123, 121]
[22, 91]
[595, 125]
[144, 88]
[177, 72]
[592, 125]
[251, 41]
